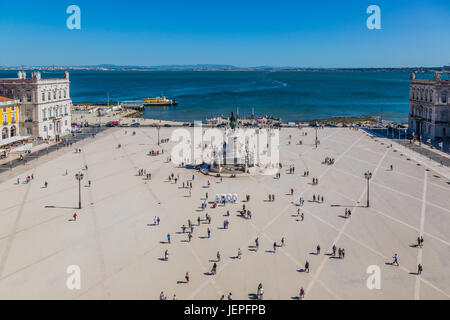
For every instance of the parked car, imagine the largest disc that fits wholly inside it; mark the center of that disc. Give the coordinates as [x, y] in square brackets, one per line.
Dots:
[167, 125]
[136, 124]
[113, 123]
[124, 125]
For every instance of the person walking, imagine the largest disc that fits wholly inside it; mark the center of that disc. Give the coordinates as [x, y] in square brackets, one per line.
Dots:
[75, 216]
[168, 238]
[302, 293]
[260, 292]
[318, 250]
[218, 256]
[209, 233]
[307, 266]
[419, 269]
[395, 260]
[187, 277]
[274, 247]
[334, 250]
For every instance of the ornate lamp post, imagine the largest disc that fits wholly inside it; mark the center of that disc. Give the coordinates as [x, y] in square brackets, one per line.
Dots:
[158, 127]
[316, 136]
[79, 176]
[368, 176]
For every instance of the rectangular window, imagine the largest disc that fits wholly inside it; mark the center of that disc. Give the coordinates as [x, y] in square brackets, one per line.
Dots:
[43, 96]
[49, 96]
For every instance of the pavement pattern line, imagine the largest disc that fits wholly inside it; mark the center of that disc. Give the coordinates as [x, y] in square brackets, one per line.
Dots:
[422, 224]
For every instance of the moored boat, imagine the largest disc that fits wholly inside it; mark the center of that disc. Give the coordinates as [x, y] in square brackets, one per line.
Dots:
[159, 101]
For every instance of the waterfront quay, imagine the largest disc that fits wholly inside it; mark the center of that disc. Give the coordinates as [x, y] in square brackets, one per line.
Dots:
[119, 250]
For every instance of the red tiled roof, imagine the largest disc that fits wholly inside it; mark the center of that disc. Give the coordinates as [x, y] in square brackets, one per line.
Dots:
[5, 99]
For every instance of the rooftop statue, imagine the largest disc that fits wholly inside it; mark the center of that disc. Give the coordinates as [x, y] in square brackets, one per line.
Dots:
[232, 121]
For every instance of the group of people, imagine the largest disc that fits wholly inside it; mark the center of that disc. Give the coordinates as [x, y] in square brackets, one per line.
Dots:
[28, 179]
[317, 198]
[329, 161]
[340, 251]
[348, 213]
[155, 153]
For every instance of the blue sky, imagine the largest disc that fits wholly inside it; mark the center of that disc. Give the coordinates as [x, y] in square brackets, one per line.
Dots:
[325, 33]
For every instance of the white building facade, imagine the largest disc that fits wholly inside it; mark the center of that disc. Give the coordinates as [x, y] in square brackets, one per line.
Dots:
[429, 107]
[45, 103]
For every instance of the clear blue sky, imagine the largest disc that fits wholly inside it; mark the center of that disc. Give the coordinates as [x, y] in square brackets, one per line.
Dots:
[325, 33]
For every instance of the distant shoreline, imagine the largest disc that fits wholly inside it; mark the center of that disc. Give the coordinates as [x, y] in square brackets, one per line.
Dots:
[222, 68]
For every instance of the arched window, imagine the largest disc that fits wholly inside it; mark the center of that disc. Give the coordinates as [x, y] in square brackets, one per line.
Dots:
[5, 133]
[13, 131]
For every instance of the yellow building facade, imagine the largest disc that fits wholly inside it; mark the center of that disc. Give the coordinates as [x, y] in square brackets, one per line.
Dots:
[9, 118]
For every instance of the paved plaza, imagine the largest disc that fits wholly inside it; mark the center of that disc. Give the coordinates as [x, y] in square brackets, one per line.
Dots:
[121, 253]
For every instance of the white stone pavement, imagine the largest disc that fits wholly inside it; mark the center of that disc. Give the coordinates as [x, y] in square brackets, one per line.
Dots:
[119, 251]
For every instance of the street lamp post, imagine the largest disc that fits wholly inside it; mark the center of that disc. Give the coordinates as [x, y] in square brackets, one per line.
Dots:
[316, 136]
[368, 176]
[159, 127]
[79, 176]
